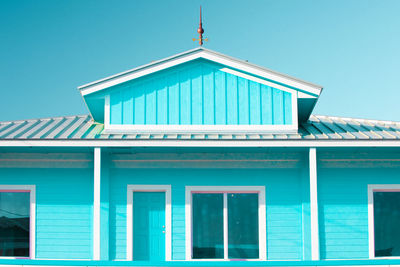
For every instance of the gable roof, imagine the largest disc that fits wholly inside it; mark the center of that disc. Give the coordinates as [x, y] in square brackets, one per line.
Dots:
[318, 129]
[204, 53]
[307, 93]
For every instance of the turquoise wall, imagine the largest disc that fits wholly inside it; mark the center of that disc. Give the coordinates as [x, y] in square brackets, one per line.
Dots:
[65, 197]
[198, 93]
[283, 200]
[64, 210]
[343, 209]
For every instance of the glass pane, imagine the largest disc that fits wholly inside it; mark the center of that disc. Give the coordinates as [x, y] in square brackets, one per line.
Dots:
[208, 234]
[14, 224]
[386, 223]
[243, 226]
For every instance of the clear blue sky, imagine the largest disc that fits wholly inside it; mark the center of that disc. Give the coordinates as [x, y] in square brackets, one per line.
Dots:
[49, 48]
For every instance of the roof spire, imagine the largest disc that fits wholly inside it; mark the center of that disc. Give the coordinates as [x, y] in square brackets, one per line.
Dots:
[200, 30]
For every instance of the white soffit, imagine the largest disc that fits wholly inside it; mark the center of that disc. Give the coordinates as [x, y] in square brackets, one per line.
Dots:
[196, 54]
[304, 95]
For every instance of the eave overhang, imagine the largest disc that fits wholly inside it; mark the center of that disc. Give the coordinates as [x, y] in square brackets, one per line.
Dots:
[82, 131]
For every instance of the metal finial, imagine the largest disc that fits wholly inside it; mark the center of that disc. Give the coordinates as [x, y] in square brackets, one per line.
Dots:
[200, 30]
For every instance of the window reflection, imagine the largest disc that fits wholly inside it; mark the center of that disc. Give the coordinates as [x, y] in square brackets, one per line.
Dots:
[208, 235]
[14, 224]
[386, 223]
[241, 225]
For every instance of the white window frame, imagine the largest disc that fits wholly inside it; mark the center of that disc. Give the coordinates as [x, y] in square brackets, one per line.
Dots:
[32, 216]
[262, 222]
[129, 217]
[371, 227]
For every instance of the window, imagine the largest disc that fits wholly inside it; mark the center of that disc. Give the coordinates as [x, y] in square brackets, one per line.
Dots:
[226, 223]
[384, 213]
[16, 224]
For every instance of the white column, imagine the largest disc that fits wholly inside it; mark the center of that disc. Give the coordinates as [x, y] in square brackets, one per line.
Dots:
[96, 204]
[225, 226]
[314, 205]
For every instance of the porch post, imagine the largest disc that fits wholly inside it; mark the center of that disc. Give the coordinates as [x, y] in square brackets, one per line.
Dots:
[96, 204]
[314, 205]
[104, 206]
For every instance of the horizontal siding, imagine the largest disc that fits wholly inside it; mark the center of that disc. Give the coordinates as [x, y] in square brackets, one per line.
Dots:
[343, 209]
[64, 200]
[284, 212]
[198, 93]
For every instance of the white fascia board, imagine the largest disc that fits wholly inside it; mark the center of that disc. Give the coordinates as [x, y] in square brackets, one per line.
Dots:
[195, 54]
[200, 143]
[141, 67]
[199, 129]
[264, 73]
[108, 82]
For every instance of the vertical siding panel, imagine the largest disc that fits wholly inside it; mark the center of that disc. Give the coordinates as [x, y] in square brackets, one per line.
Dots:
[116, 109]
[232, 99]
[243, 101]
[220, 98]
[185, 84]
[197, 95]
[255, 114]
[288, 107]
[208, 96]
[162, 111]
[127, 107]
[151, 103]
[266, 105]
[173, 98]
[139, 114]
[277, 99]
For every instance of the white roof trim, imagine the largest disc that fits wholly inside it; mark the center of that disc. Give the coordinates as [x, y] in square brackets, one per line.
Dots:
[199, 143]
[195, 54]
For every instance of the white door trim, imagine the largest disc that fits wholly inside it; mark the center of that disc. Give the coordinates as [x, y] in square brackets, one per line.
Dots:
[129, 217]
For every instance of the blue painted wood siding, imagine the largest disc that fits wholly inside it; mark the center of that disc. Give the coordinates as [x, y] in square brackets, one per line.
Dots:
[343, 209]
[64, 210]
[283, 200]
[199, 93]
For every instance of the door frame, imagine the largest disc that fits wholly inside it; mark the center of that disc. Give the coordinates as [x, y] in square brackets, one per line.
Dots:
[129, 216]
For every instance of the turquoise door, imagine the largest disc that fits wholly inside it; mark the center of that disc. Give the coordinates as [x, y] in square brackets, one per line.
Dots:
[149, 226]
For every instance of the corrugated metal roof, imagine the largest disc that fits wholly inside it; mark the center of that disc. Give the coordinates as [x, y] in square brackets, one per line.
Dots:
[83, 127]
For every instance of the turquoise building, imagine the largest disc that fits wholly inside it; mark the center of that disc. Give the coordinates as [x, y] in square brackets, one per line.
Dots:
[200, 159]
